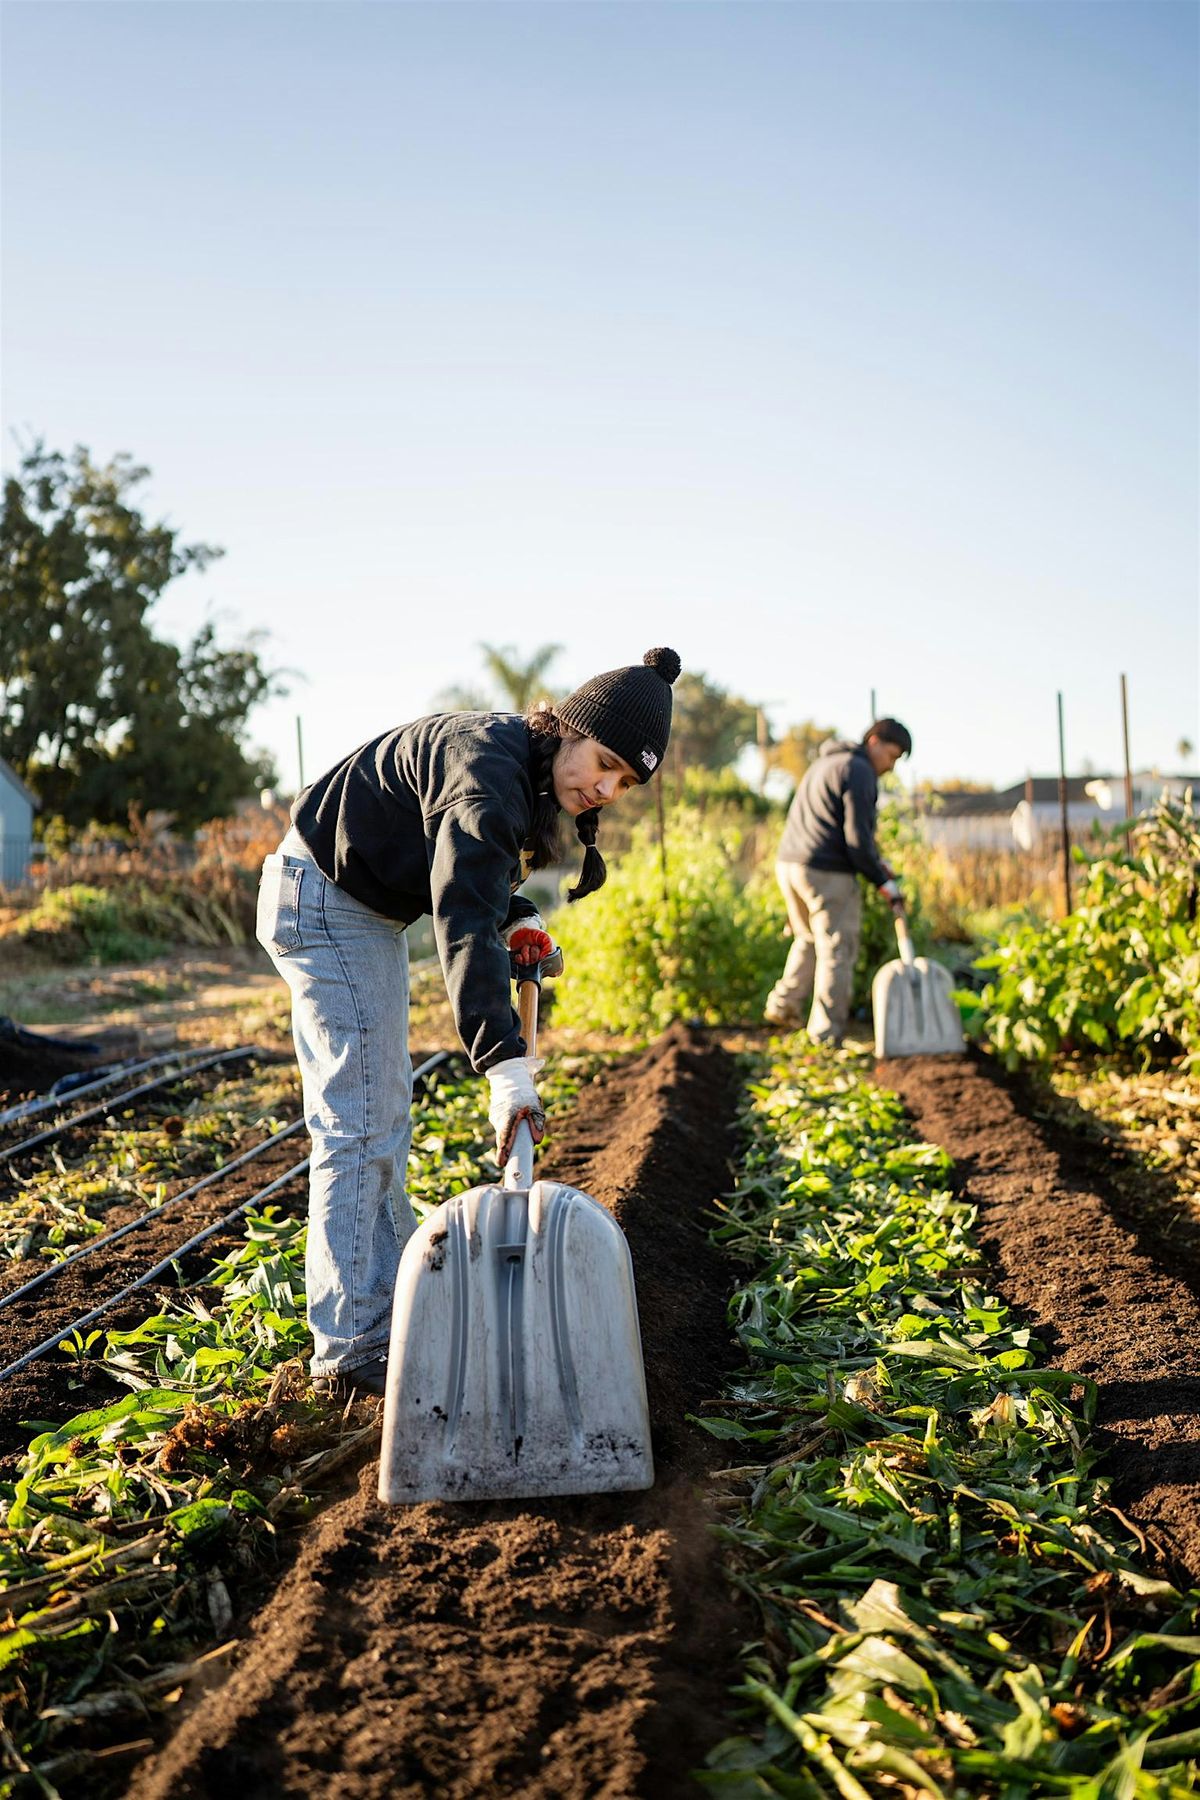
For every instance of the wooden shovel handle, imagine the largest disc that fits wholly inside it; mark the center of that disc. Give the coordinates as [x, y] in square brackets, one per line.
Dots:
[527, 1008]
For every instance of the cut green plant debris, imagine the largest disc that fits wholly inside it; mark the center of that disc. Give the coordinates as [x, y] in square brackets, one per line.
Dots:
[56, 1208]
[453, 1147]
[130, 1532]
[947, 1605]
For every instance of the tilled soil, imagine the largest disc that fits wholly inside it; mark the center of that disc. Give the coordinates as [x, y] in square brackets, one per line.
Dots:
[570, 1648]
[1103, 1287]
[29, 1067]
[51, 1389]
[29, 1144]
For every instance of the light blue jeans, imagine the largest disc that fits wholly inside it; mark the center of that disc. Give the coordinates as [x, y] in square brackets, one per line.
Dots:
[347, 970]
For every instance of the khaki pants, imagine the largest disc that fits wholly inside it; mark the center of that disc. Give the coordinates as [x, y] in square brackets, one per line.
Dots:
[825, 913]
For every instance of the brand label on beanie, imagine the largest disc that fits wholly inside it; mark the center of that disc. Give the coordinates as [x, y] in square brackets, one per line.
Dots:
[650, 760]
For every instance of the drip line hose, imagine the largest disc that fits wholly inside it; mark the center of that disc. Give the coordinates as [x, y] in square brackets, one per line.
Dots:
[160, 1268]
[105, 1106]
[420, 1073]
[146, 1218]
[30, 1109]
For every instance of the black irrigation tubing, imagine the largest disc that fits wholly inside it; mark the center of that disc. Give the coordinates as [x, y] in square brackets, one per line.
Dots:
[156, 1212]
[146, 1218]
[419, 1074]
[160, 1268]
[30, 1109]
[105, 1106]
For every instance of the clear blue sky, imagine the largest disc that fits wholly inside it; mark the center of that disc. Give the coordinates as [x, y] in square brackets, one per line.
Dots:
[842, 346]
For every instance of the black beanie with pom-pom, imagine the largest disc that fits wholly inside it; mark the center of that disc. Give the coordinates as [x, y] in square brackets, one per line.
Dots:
[628, 710]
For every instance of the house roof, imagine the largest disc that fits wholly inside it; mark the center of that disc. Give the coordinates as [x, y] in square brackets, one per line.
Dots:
[14, 780]
[956, 805]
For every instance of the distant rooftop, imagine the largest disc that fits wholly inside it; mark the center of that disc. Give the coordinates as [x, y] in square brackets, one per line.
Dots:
[1082, 790]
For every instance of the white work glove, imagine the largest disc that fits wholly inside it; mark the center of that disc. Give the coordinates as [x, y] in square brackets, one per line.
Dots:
[513, 1098]
[890, 889]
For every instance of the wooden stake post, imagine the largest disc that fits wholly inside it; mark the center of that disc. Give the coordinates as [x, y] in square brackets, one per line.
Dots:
[1128, 768]
[1062, 804]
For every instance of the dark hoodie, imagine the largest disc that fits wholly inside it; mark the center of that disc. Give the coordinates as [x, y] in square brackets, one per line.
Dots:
[831, 823]
[432, 818]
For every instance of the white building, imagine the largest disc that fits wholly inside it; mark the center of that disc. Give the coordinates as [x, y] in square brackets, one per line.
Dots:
[1028, 815]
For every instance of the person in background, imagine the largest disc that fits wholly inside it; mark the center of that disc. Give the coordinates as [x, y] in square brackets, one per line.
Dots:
[828, 842]
[446, 816]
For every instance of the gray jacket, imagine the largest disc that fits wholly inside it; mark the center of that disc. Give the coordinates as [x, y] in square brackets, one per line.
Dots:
[831, 823]
[432, 818]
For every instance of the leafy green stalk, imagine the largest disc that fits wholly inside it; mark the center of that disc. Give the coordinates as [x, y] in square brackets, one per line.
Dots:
[945, 1603]
[1119, 973]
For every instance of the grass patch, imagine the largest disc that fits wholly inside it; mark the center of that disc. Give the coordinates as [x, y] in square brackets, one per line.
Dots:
[86, 924]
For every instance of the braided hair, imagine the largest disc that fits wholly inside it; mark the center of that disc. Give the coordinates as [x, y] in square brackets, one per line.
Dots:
[545, 836]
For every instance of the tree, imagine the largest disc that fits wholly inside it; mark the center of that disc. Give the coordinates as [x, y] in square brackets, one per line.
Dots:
[797, 748]
[709, 727]
[516, 683]
[97, 714]
[520, 683]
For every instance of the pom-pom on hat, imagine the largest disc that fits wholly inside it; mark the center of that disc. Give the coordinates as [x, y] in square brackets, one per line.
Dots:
[628, 710]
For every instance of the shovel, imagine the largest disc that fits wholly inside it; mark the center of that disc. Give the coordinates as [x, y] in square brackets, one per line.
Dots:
[913, 1004]
[515, 1366]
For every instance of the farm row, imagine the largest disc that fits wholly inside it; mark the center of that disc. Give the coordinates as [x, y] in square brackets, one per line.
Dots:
[917, 1574]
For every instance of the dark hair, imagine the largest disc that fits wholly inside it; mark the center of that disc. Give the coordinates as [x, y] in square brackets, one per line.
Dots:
[545, 835]
[892, 732]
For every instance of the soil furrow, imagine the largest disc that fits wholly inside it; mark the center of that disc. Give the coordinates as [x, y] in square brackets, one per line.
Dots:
[1059, 1233]
[563, 1648]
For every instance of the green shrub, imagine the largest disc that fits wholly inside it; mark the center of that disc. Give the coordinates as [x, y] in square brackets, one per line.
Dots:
[711, 942]
[1120, 972]
[703, 945]
[79, 923]
[724, 790]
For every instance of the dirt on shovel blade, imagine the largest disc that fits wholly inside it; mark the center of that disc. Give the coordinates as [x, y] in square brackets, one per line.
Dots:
[570, 1648]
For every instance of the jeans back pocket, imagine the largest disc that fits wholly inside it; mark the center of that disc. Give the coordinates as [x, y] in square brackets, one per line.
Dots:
[277, 924]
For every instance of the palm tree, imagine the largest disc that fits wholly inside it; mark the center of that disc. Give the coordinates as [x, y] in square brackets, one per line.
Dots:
[520, 683]
[515, 683]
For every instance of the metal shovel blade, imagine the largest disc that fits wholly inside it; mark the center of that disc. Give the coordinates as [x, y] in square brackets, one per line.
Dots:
[515, 1367]
[915, 1014]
